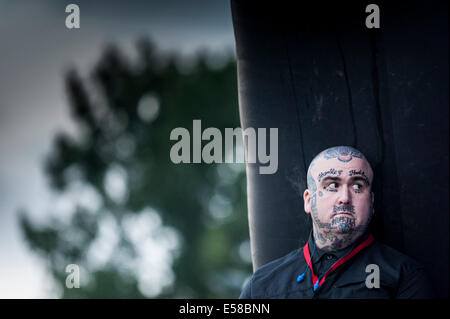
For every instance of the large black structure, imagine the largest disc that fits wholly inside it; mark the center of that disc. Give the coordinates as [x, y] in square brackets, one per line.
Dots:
[322, 78]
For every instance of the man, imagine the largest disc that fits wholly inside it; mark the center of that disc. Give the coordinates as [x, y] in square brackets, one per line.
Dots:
[341, 258]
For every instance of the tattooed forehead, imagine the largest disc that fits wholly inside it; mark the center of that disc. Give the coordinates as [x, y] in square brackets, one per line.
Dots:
[341, 158]
[340, 173]
[343, 153]
[330, 171]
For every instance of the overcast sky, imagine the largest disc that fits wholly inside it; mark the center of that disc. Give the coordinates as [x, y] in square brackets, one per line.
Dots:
[35, 50]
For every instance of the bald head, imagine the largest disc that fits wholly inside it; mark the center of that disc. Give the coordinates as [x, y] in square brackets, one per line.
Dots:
[344, 155]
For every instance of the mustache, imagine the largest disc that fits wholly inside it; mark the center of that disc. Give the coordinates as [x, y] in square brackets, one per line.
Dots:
[343, 208]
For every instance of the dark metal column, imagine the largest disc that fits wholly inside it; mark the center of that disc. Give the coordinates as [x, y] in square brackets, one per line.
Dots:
[322, 78]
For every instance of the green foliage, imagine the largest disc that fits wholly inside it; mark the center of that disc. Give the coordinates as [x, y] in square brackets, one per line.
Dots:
[205, 204]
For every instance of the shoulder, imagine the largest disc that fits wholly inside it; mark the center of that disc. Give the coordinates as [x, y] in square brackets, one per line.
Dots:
[393, 264]
[275, 266]
[393, 258]
[269, 278]
[406, 275]
[413, 281]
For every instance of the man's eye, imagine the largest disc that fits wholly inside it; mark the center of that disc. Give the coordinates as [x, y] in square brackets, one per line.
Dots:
[357, 186]
[332, 187]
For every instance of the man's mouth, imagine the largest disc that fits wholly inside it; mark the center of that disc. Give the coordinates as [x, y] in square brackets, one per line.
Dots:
[344, 221]
[343, 210]
[342, 213]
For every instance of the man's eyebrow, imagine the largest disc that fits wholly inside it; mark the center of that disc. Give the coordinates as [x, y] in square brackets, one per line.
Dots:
[330, 178]
[361, 175]
[331, 171]
[353, 178]
[361, 178]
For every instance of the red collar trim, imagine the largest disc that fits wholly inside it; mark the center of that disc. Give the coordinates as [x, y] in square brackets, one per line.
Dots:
[367, 242]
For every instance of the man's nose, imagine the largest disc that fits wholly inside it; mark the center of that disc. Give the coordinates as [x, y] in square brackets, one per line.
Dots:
[344, 195]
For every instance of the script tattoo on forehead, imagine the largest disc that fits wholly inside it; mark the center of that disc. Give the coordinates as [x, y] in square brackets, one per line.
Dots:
[331, 171]
[360, 173]
[342, 153]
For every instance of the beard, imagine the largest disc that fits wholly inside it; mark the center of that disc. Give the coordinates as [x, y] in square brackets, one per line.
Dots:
[340, 232]
[340, 228]
[343, 224]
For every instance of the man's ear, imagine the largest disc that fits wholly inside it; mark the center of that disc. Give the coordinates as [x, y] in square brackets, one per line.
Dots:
[307, 200]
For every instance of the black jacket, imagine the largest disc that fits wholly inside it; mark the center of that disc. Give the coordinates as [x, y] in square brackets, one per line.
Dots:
[399, 276]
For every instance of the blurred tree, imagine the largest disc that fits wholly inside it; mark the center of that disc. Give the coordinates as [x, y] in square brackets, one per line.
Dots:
[197, 212]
